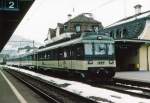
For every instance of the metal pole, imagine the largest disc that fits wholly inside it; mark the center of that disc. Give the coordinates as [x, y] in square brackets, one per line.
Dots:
[147, 58]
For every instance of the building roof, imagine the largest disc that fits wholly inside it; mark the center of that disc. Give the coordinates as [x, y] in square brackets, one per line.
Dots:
[83, 18]
[133, 41]
[52, 31]
[131, 18]
[60, 25]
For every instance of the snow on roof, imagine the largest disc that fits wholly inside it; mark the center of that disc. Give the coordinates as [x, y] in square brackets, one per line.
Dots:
[131, 18]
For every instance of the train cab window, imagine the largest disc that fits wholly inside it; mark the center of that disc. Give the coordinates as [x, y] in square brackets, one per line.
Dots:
[88, 49]
[99, 49]
[110, 48]
[78, 28]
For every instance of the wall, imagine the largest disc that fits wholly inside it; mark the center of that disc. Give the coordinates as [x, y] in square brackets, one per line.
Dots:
[143, 57]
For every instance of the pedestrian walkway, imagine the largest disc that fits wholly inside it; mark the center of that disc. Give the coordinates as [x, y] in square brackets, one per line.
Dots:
[7, 94]
[143, 76]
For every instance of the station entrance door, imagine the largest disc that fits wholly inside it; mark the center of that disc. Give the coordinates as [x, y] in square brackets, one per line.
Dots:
[127, 56]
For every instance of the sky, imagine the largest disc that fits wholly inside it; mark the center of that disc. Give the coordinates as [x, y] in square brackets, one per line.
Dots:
[46, 14]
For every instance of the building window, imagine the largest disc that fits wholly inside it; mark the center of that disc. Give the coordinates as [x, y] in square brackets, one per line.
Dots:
[118, 34]
[95, 28]
[65, 28]
[125, 33]
[78, 28]
[111, 34]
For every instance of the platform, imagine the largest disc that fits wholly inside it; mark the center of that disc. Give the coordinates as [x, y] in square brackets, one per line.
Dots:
[13, 91]
[143, 76]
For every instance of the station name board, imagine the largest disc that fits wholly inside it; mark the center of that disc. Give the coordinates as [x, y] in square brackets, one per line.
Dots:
[9, 5]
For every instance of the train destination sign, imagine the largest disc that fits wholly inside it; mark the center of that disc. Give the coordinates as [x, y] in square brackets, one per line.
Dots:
[9, 5]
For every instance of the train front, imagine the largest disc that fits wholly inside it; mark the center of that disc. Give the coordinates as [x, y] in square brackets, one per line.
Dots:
[100, 57]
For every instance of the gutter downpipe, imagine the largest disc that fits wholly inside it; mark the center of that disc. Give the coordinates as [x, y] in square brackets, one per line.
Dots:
[147, 57]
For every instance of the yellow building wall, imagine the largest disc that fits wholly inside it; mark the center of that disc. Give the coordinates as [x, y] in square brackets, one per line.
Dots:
[148, 58]
[144, 57]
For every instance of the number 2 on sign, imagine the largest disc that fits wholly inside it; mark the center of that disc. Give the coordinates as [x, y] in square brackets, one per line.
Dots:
[11, 5]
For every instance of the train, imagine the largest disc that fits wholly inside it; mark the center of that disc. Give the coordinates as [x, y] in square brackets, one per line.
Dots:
[2, 61]
[91, 55]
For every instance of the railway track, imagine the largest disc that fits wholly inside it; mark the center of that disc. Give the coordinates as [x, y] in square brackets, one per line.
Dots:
[133, 88]
[123, 86]
[50, 92]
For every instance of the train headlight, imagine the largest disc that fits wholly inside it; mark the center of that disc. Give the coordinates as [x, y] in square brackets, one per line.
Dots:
[90, 62]
[111, 62]
[99, 37]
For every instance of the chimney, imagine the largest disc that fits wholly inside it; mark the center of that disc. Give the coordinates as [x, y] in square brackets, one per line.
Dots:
[69, 16]
[137, 9]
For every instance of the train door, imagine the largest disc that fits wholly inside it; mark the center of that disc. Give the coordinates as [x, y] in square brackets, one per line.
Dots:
[77, 56]
[67, 62]
[65, 59]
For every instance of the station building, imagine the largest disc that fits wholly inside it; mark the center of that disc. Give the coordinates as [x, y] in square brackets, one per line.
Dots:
[132, 41]
[73, 28]
[131, 34]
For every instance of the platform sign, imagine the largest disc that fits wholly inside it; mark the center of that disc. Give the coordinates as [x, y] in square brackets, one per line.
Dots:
[9, 5]
[1, 4]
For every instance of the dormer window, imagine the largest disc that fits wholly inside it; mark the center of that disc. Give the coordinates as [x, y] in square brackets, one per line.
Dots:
[78, 28]
[95, 28]
[65, 28]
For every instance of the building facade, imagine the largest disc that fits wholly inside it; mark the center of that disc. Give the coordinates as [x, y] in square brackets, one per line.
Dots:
[73, 27]
[132, 39]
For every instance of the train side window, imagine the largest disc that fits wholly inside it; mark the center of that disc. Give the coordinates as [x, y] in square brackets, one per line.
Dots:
[65, 54]
[110, 49]
[88, 49]
[78, 52]
[60, 54]
[45, 56]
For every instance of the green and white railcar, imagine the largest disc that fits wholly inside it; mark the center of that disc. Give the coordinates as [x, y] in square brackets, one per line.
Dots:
[90, 54]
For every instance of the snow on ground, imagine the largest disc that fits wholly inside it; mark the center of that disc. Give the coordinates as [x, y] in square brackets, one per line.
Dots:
[89, 91]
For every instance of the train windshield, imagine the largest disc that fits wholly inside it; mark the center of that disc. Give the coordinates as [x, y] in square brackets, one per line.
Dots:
[100, 49]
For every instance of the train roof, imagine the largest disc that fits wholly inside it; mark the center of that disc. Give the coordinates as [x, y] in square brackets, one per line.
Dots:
[131, 18]
[86, 37]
